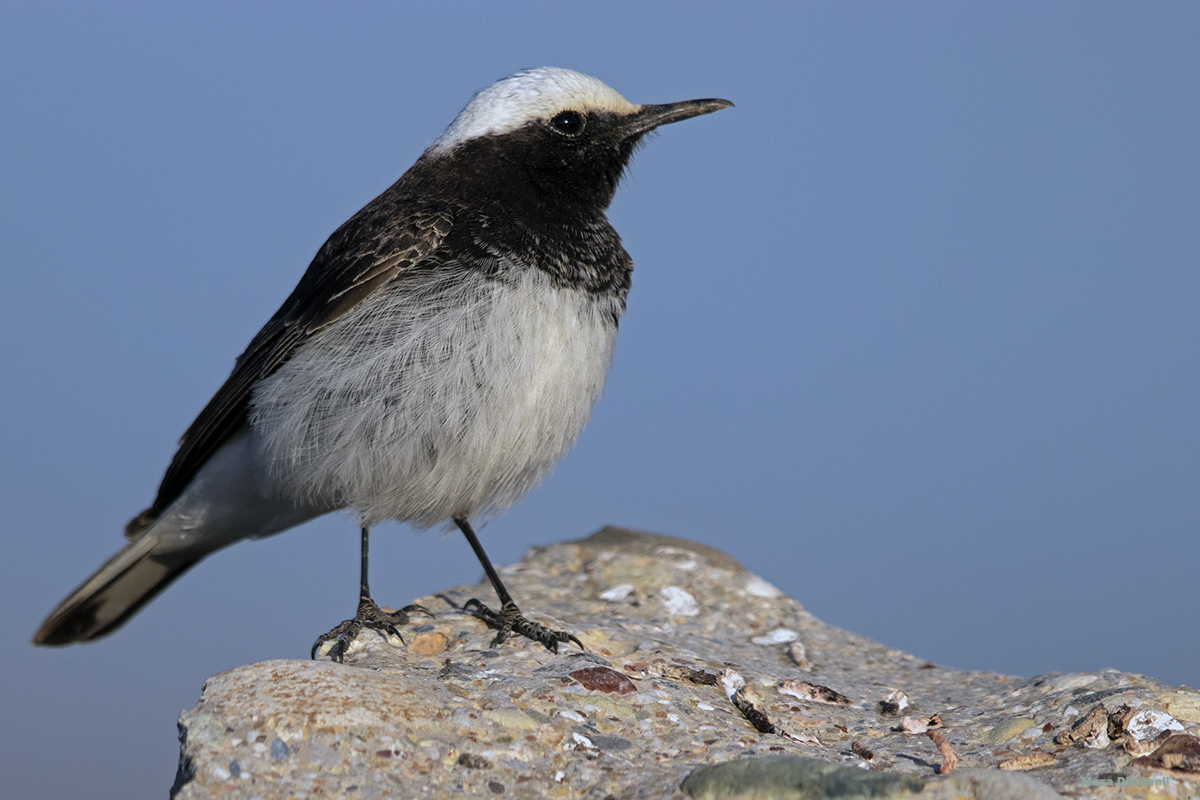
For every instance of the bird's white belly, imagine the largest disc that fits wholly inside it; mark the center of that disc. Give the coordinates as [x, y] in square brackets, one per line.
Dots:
[447, 395]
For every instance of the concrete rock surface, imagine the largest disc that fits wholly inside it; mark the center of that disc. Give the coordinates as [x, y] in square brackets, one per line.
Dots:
[700, 680]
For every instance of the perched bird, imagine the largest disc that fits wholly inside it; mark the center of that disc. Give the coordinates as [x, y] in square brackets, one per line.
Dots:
[442, 351]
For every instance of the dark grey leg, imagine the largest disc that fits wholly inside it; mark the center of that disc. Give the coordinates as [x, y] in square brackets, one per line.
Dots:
[369, 615]
[510, 619]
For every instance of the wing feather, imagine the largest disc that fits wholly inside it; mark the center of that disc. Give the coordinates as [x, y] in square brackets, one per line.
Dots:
[388, 237]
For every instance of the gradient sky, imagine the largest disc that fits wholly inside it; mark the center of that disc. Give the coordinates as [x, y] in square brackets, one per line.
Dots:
[914, 331]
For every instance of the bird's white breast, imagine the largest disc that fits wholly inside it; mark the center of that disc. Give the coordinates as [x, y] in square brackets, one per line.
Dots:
[453, 404]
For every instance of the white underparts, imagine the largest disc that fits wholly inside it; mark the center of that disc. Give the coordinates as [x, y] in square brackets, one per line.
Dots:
[450, 394]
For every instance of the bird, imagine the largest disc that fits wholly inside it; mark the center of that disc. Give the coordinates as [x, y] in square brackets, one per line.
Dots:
[440, 354]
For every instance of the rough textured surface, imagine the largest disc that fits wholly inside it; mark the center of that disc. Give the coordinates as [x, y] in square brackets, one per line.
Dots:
[700, 680]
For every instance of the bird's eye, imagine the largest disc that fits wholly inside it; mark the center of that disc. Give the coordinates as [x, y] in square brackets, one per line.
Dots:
[568, 122]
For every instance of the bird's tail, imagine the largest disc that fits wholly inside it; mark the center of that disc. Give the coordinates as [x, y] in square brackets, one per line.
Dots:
[105, 601]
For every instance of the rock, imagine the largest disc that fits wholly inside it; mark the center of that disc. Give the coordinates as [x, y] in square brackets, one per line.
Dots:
[648, 711]
[789, 777]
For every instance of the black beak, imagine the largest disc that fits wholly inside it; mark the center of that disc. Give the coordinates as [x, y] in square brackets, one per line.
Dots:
[647, 118]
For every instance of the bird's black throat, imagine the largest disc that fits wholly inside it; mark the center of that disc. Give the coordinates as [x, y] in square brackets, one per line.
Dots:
[535, 198]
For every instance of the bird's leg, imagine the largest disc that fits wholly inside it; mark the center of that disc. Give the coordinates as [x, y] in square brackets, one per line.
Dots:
[510, 619]
[369, 615]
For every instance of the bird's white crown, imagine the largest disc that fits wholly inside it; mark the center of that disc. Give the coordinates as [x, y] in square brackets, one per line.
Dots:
[528, 95]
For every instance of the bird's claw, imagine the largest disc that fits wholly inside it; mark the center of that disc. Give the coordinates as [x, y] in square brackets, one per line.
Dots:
[369, 615]
[510, 620]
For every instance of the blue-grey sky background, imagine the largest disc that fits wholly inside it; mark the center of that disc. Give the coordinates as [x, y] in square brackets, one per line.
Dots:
[914, 333]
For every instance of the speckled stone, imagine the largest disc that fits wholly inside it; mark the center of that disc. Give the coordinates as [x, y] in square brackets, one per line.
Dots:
[788, 777]
[670, 627]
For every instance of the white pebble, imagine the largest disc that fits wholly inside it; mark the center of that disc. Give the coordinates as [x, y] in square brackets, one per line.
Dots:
[757, 587]
[679, 603]
[777, 636]
[617, 592]
[1148, 724]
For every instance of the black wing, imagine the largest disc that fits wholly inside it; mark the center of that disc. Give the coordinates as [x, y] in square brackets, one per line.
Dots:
[390, 235]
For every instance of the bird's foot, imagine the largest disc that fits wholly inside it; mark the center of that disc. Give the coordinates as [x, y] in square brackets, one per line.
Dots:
[369, 615]
[510, 620]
